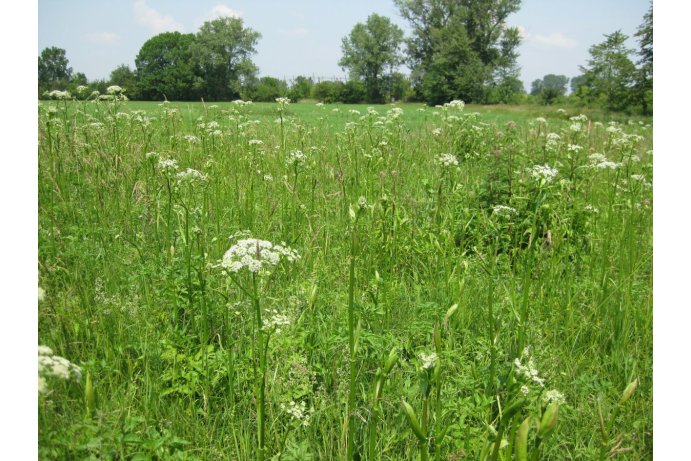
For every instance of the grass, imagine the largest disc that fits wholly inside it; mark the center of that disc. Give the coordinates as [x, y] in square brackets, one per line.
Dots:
[400, 256]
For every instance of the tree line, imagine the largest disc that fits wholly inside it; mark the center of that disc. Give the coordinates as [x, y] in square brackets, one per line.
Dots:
[458, 49]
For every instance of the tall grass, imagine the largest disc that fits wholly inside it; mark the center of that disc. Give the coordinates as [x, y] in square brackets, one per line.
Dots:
[539, 235]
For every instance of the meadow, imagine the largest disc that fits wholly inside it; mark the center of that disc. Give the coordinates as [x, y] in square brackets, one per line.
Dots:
[315, 282]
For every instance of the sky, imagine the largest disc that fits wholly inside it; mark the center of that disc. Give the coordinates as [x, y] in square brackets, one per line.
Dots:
[303, 37]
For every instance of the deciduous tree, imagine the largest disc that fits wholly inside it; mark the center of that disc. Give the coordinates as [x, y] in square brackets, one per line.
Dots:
[164, 68]
[222, 51]
[460, 49]
[371, 53]
[53, 69]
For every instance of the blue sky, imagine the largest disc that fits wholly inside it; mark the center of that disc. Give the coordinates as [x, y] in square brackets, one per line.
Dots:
[303, 37]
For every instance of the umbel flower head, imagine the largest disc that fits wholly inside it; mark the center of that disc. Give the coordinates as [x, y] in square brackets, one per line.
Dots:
[256, 255]
[55, 366]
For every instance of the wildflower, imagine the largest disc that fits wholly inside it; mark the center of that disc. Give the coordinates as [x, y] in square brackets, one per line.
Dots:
[151, 155]
[275, 320]
[436, 131]
[191, 174]
[354, 112]
[268, 178]
[553, 395]
[597, 157]
[114, 89]
[41, 294]
[576, 127]
[543, 173]
[429, 361]
[503, 210]
[607, 165]
[255, 255]
[190, 138]
[591, 208]
[394, 113]
[447, 160]
[525, 390]
[55, 366]
[168, 164]
[255, 142]
[528, 370]
[574, 148]
[298, 411]
[362, 202]
[57, 94]
[455, 104]
[579, 118]
[81, 89]
[295, 158]
[319, 104]
[541, 120]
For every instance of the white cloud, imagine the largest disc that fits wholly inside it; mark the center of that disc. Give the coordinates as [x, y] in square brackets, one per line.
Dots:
[553, 40]
[103, 38]
[296, 32]
[152, 19]
[222, 10]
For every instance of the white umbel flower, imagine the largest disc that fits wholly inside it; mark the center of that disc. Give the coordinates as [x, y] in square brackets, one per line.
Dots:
[429, 361]
[256, 255]
[447, 160]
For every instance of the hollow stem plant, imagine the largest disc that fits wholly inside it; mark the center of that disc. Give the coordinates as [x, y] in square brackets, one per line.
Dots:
[257, 257]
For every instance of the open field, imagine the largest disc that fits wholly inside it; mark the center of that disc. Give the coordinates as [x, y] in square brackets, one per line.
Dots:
[428, 283]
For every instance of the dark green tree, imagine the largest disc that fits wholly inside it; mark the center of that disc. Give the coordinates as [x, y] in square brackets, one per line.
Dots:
[461, 49]
[644, 84]
[164, 68]
[610, 75]
[576, 82]
[371, 53]
[265, 89]
[536, 87]
[53, 69]
[301, 88]
[222, 52]
[551, 87]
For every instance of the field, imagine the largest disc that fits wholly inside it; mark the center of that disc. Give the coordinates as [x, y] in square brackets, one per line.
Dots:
[301, 281]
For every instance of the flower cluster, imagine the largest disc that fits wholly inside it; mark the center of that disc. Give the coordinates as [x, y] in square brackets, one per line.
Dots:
[429, 361]
[447, 160]
[191, 175]
[525, 367]
[275, 320]
[543, 173]
[54, 365]
[168, 164]
[503, 210]
[553, 395]
[114, 89]
[298, 411]
[256, 255]
[455, 104]
[295, 158]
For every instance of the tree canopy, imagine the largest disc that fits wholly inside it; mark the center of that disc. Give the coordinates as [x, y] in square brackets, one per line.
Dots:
[371, 53]
[164, 68]
[53, 69]
[461, 49]
[222, 52]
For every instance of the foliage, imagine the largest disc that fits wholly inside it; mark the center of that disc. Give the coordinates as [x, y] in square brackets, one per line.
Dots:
[371, 53]
[460, 48]
[610, 73]
[222, 50]
[53, 69]
[644, 81]
[164, 68]
[301, 88]
[327, 91]
[549, 88]
[490, 267]
[125, 77]
[265, 89]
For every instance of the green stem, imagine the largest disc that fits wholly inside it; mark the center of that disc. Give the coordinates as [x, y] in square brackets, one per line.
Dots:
[262, 371]
[351, 344]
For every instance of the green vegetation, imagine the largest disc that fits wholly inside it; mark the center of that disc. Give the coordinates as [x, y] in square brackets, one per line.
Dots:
[426, 283]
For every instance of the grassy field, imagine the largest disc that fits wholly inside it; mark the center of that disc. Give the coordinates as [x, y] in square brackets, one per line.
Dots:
[296, 282]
